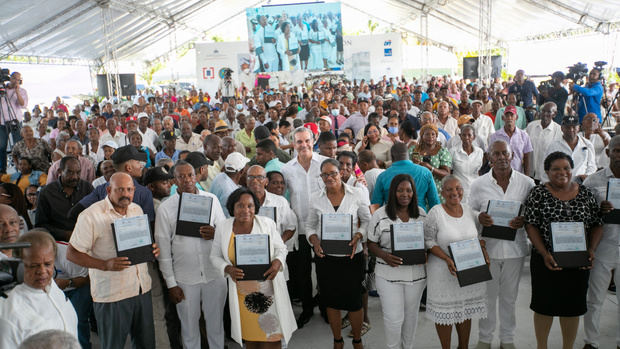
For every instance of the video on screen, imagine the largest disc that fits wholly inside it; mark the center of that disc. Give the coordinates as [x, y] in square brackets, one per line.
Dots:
[295, 37]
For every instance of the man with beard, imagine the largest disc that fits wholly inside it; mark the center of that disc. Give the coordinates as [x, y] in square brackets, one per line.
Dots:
[119, 289]
[57, 198]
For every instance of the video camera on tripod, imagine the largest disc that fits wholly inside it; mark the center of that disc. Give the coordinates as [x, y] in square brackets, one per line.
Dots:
[11, 269]
[11, 119]
[5, 75]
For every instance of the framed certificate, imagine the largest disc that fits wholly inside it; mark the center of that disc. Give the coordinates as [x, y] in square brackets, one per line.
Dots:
[252, 255]
[502, 212]
[268, 211]
[407, 241]
[568, 240]
[613, 196]
[132, 238]
[336, 233]
[194, 212]
[471, 268]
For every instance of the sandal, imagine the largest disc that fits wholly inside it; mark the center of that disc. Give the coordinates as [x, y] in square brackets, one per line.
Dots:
[365, 328]
[345, 322]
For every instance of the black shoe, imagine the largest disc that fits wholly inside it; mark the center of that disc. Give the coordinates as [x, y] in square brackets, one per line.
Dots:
[612, 289]
[304, 318]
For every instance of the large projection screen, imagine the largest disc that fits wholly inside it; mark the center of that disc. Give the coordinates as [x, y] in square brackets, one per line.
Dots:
[296, 37]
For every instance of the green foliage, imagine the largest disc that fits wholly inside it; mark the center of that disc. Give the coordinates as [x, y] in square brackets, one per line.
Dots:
[372, 26]
[150, 70]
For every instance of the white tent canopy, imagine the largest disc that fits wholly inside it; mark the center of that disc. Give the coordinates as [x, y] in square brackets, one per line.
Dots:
[138, 30]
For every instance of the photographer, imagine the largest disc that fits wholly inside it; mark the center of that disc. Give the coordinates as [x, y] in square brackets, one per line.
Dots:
[589, 97]
[228, 87]
[554, 92]
[11, 114]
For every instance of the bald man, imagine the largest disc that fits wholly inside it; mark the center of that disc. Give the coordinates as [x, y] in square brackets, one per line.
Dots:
[9, 228]
[119, 290]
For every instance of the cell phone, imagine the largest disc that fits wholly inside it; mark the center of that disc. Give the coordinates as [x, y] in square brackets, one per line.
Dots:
[426, 159]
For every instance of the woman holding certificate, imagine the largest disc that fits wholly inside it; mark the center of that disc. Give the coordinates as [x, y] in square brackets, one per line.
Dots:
[448, 303]
[335, 213]
[260, 309]
[400, 284]
[558, 291]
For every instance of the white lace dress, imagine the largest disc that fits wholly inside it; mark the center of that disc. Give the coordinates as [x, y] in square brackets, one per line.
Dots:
[447, 303]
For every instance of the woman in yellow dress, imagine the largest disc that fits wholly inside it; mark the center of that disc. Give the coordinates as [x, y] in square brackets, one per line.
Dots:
[260, 311]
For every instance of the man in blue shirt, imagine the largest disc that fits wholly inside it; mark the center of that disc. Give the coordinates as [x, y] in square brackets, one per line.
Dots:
[526, 90]
[590, 96]
[130, 160]
[422, 177]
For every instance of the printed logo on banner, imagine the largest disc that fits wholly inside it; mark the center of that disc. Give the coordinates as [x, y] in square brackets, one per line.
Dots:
[387, 52]
[387, 43]
[222, 72]
[208, 73]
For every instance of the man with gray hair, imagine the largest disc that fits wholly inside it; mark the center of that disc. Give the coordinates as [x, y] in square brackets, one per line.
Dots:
[302, 178]
[507, 256]
[542, 133]
[73, 148]
[37, 304]
[9, 228]
[51, 339]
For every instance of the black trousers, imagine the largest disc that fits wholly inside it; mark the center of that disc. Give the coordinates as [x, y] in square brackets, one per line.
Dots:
[132, 316]
[300, 273]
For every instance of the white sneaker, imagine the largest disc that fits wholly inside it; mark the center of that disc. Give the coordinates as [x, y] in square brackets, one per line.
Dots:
[483, 345]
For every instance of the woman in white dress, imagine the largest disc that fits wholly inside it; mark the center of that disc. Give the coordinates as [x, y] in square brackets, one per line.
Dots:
[315, 37]
[466, 159]
[288, 48]
[447, 303]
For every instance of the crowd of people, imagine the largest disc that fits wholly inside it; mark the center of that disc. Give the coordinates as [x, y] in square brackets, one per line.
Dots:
[279, 162]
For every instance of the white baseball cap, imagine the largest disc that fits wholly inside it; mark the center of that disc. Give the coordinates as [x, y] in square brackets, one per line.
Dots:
[235, 162]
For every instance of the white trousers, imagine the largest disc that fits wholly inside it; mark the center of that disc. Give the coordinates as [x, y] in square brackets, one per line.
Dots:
[400, 304]
[600, 276]
[212, 295]
[502, 289]
[159, 309]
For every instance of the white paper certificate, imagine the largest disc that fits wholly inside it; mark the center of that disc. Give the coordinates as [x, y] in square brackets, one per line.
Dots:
[503, 211]
[408, 236]
[613, 192]
[268, 211]
[195, 208]
[568, 236]
[336, 226]
[252, 249]
[132, 232]
[467, 254]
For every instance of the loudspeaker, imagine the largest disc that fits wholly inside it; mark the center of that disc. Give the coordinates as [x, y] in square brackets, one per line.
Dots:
[470, 67]
[127, 84]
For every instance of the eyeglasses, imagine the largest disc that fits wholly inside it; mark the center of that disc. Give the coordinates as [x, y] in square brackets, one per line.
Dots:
[331, 174]
[260, 178]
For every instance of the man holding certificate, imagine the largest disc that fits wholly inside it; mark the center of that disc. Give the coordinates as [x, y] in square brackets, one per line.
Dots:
[184, 228]
[336, 212]
[119, 289]
[605, 185]
[498, 195]
[562, 221]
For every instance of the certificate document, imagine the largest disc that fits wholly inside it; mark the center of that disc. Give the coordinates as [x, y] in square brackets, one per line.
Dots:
[568, 236]
[471, 268]
[503, 211]
[252, 255]
[336, 226]
[268, 211]
[132, 237]
[194, 212]
[467, 254]
[613, 192]
[408, 236]
[195, 208]
[408, 242]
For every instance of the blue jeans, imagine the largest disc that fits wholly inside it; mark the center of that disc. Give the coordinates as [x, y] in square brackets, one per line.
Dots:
[4, 139]
[82, 302]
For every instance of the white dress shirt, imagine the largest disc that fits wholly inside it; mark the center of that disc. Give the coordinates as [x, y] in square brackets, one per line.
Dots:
[485, 188]
[149, 137]
[355, 202]
[608, 250]
[184, 259]
[66, 269]
[301, 184]
[484, 129]
[541, 138]
[602, 160]
[466, 166]
[451, 126]
[371, 179]
[285, 217]
[119, 137]
[583, 156]
[28, 310]
[194, 143]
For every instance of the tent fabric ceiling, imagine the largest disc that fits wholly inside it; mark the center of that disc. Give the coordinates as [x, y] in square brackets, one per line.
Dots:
[145, 29]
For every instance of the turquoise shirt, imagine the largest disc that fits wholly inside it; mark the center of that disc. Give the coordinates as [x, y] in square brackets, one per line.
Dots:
[422, 177]
[273, 165]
